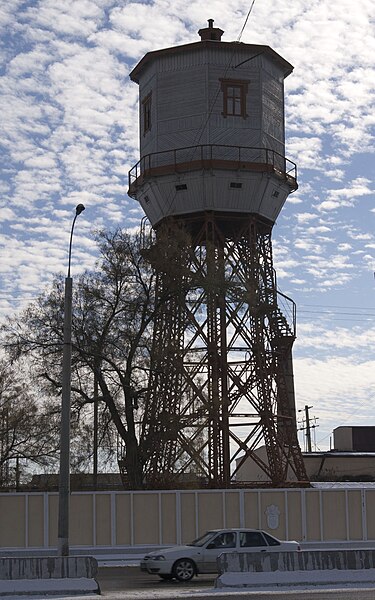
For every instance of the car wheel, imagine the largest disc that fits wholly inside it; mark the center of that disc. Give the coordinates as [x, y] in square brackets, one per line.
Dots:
[184, 569]
[166, 576]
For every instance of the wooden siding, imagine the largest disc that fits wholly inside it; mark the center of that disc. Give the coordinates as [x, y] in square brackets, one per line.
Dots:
[262, 193]
[187, 102]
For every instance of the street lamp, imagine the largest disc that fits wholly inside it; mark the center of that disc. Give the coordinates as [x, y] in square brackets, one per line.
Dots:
[64, 479]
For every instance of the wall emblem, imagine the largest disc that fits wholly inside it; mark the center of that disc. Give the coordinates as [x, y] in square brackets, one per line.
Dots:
[272, 513]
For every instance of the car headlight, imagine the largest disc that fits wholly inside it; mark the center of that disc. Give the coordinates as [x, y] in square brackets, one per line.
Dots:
[158, 557]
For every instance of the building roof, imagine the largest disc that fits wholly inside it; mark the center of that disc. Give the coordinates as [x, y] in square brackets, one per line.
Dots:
[339, 454]
[328, 485]
[254, 49]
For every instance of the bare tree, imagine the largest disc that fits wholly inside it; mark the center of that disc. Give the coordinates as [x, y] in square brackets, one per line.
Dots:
[28, 426]
[112, 321]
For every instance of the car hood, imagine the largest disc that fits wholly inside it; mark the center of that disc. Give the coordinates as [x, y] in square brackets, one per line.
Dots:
[174, 550]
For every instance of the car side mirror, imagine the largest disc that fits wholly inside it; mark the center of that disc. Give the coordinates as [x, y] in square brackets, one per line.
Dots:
[211, 546]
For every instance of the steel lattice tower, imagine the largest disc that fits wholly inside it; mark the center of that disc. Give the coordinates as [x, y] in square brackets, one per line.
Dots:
[221, 382]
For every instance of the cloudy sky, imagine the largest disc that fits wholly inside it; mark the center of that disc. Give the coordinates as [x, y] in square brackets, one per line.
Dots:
[69, 134]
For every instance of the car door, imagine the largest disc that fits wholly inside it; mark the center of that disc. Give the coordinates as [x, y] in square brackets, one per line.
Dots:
[252, 541]
[225, 541]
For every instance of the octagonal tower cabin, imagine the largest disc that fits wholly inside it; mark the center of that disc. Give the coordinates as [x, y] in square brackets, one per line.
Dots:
[212, 134]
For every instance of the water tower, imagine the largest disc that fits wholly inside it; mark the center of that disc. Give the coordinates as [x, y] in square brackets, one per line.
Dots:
[212, 180]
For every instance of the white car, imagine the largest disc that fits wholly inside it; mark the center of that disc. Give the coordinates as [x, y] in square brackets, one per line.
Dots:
[183, 562]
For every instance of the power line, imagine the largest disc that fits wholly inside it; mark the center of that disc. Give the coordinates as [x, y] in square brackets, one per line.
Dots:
[339, 307]
[302, 313]
[330, 312]
[344, 320]
[246, 20]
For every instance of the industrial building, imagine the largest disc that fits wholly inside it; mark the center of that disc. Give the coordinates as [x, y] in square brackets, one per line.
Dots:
[351, 459]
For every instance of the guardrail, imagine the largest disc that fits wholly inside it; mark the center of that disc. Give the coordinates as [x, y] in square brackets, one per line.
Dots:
[45, 575]
[288, 309]
[252, 569]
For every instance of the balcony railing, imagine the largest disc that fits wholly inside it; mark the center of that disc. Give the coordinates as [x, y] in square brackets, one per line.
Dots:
[212, 156]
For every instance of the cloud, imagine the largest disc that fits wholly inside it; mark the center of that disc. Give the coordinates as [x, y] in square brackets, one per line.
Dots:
[358, 338]
[356, 235]
[348, 196]
[306, 150]
[78, 18]
[69, 134]
[306, 217]
[340, 392]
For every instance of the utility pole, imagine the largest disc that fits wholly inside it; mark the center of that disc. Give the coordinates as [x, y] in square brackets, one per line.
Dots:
[307, 427]
[95, 441]
[308, 430]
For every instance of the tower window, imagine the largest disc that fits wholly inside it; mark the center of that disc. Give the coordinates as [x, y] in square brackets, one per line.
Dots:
[234, 97]
[146, 104]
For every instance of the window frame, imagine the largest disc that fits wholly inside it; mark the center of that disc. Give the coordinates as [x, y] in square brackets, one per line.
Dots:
[146, 110]
[229, 101]
[246, 535]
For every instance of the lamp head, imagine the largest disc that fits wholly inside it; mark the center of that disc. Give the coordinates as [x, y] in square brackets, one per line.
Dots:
[79, 208]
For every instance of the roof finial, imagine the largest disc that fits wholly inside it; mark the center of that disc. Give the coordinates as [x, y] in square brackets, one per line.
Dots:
[211, 33]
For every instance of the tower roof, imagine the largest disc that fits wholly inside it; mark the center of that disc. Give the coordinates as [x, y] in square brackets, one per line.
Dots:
[211, 38]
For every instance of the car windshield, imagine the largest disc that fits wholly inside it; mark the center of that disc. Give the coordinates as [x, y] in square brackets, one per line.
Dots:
[203, 539]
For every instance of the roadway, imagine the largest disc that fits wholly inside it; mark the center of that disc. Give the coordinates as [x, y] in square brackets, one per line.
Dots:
[129, 583]
[131, 578]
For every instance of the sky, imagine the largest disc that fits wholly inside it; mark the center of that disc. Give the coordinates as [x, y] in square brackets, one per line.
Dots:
[69, 135]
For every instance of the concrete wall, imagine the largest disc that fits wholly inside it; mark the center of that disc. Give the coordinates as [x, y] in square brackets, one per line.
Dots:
[307, 568]
[51, 567]
[309, 560]
[115, 519]
[50, 575]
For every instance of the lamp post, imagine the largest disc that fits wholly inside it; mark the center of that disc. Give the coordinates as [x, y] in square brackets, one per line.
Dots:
[64, 479]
